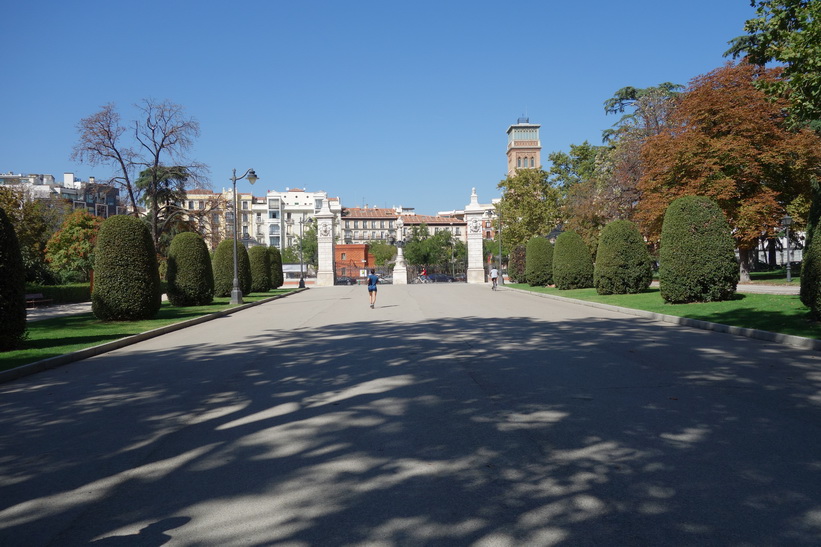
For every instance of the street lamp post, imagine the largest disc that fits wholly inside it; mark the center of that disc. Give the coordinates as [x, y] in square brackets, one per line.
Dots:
[236, 293]
[786, 222]
[501, 275]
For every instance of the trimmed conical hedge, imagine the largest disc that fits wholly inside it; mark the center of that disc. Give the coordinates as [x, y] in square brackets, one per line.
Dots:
[126, 276]
[539, 262]
[190, 275]
[572, 263]
[260, 261]
[223, 265]
[811, 275]
[277, 277]
[697, 260]
[516, 264]
[623, 263]
[12, 287]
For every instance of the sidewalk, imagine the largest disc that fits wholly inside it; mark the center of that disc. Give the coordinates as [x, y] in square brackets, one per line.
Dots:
[58, 310]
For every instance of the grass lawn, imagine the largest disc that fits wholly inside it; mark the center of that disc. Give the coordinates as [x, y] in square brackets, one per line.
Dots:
[775, 313]
[61, 335]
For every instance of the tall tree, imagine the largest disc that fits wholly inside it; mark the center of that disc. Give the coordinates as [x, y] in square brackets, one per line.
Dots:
[529, 205]
[35, 221]
[162, 137]
[584, 175]
[163, 190]
[727, 141]
[788, 32]
[70, 251]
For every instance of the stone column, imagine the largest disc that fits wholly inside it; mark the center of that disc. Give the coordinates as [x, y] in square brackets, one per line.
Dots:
[473, 218]
[326, 273]
[400, 269]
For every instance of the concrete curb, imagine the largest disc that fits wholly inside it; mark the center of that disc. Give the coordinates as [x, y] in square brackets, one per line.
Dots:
[60, 360]
[767, 336]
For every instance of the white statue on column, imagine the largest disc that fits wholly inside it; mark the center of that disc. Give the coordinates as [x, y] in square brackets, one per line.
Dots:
[400, 269]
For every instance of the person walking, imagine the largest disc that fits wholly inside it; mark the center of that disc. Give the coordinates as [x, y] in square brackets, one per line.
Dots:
[373, 279]
[494, 275]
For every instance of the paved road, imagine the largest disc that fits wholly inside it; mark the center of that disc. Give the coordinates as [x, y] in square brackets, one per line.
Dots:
[449, 415]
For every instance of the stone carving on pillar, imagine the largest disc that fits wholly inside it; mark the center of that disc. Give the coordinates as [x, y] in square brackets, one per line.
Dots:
[473, 218]
[400, 269]
[325, 275]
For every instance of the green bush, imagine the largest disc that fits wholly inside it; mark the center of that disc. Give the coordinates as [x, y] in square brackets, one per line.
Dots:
[260, 261]
[539, 262]
[223, 266]
[516, 264]
[697, 260]
[244, 264]
[623, 263]
[126, 277]
[12, 287]
[189, 274]
[572, 263]
[277, 277]
[811, 275]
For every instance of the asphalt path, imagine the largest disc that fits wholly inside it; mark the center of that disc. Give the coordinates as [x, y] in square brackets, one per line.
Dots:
[448, 415]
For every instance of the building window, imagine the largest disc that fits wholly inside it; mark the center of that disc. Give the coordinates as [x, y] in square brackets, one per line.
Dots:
[518, 162]
[273, 241]
[532, 162]
[273, 215]
[245, 205]
[344, 256]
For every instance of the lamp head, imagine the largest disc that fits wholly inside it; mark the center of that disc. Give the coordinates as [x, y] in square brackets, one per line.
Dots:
[252, 176]
[786, 221]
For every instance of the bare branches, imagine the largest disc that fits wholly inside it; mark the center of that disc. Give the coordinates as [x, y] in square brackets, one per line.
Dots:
[163, 136]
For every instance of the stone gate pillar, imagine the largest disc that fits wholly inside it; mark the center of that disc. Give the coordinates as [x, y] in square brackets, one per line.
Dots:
[473, 218]
[326, 272]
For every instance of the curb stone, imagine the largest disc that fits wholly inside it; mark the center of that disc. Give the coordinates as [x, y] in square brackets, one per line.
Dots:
[60, 360]
[767, 336]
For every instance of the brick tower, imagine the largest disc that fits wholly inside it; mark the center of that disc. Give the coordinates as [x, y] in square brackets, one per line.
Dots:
[524, 149]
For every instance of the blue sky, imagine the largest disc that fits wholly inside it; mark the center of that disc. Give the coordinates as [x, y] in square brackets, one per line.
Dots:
[379, 103]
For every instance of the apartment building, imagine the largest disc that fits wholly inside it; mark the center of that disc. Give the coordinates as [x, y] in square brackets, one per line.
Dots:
[364, 224]
[102, 200]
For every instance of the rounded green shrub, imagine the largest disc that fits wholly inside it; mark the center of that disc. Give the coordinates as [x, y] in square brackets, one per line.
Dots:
[12, 287]
[623, 263]
[811, 275]
[126, 276]
[189, 273]
[572, 263]
[697, 260]
[223, 265]
[539, 262]
[277, 277]
[516, 263]
[260, 268]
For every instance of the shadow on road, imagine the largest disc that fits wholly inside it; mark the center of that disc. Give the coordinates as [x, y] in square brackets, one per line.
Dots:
[454, 431]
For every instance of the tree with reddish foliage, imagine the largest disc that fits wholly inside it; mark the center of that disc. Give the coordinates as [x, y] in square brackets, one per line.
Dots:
[729, 141]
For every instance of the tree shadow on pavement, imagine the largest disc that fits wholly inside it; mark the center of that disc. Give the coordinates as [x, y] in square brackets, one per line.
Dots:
[452, 431]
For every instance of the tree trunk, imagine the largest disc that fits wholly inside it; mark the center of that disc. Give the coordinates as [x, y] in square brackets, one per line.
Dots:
[745, 263]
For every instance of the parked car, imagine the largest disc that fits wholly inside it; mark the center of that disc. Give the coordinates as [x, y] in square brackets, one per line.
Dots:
[440, 278]
[344, 280]
[385, 280]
